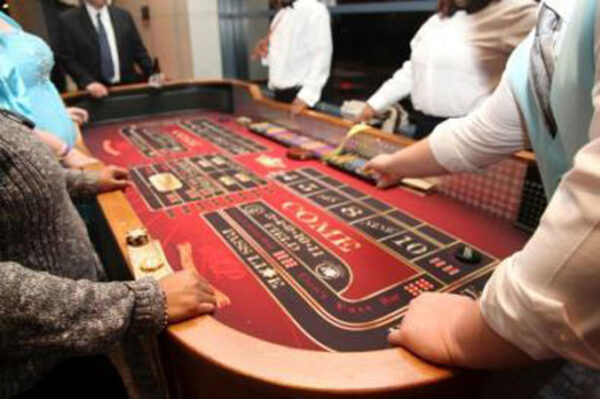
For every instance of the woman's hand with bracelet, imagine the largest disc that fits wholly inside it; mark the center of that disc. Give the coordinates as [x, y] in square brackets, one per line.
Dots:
[72, 158]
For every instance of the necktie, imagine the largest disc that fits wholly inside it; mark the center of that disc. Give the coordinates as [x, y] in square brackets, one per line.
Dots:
[541, 62]
[106, 62]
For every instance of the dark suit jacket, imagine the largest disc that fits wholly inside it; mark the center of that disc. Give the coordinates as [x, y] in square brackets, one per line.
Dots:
[79, 52]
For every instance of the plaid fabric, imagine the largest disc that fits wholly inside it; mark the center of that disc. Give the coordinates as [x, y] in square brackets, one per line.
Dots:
[496, 190]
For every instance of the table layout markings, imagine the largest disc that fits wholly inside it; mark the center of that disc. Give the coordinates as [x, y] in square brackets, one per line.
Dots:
[150, 141]
[307, 187]
[300, 310]
[202, 175]
[391, 291]
[221, 137]
[352, 212]
[376, 204]
[378, 224]
[377, 207]
[148, 189]
[297, 177]
[379, 227]
[329, 198]
[417, 243]
[197, 178]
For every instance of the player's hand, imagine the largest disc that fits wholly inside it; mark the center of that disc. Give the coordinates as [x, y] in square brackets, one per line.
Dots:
[261, 49]
[431, 326]
[382, 168]
[298, 106]
[78, 115]
[156, 80]
[366, 115]
[113, 178]
[97, 90]
[76, 159]
[188, 295]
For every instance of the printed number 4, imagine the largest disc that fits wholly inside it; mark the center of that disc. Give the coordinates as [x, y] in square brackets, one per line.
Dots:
[352, 211]
[308, 187]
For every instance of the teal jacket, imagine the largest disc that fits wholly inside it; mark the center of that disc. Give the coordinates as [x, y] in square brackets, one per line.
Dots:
[571, 96]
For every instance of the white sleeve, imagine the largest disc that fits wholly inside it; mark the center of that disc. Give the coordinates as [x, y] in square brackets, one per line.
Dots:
[545, 298]
[492, 132]
[394, 89]
[264, 61]
[400, 85]
[318, 36]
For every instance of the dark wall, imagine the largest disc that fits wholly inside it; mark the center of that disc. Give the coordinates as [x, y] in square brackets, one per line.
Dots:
[368, 49]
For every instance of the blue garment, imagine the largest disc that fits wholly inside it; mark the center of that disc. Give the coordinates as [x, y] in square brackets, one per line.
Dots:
[570, 96]
[25, 87]
[571, 103]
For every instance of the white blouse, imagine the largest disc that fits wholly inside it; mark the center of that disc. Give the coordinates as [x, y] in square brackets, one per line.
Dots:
[457, 62]
[300, 49]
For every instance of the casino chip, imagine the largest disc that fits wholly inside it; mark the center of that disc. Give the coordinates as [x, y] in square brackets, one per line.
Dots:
[467, 254]
[244, 121]
[137, 237]
[300, 154]
[151, 264]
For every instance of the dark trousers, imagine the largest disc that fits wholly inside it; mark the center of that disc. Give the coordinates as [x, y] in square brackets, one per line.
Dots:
[424, 123]
[287, 95]
[555, 379]
[84, 377]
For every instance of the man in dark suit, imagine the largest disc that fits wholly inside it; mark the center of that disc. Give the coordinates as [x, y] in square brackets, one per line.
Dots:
[99, 45]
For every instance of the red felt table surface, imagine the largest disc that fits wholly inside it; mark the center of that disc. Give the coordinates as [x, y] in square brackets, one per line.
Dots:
[297, 272]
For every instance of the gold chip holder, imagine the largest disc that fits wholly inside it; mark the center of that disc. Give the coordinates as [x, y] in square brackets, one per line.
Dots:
[146, 255]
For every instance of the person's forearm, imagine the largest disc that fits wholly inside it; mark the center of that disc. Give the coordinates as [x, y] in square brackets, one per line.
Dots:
[58, 147]
[491, 133]
[41, 313]
[320, 42]
[477, 346]
[458, 337]
[82, 185]
[393, 90]
[312, 86]
[417, 160]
